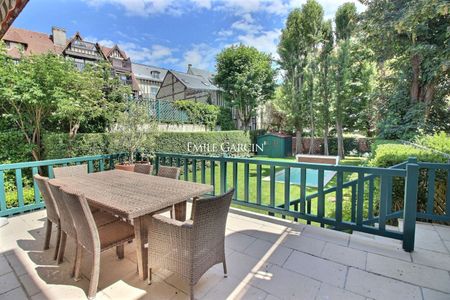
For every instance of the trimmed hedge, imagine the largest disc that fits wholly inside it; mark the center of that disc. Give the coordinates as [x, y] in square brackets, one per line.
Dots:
[14, 148]
[389, 153]
[59, 145]
[439, 141]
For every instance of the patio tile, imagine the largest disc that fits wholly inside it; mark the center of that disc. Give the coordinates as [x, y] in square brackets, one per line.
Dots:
[4, 265]
[286, 284]
[329, 292]
[430, 240]
[434, 295]
[443, 231]
[238, 241]
[16, 294]
[30, 285]
[268, 233]
[409, 272]
[327, 235]
[17, 260]
[317, 268]
[259, 248]
[304, 244]
[208, 281]
[8, 282]
[373, 246]
[431, 258]
[380, 287]
[240, 265]
[139, 289]
[241, 224]
[231, 288]
[344, 255]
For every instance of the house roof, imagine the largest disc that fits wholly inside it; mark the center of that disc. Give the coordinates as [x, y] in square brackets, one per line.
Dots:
[204, 73]
[195, 82]
[107, 51]
[35, 42]
[142, 71]
[9, 10]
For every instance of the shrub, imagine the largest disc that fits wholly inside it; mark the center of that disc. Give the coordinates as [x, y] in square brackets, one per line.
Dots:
[199, 113]
[14, 148]
[225, 119]
[439, 141]
[387, 154]
[59, 145]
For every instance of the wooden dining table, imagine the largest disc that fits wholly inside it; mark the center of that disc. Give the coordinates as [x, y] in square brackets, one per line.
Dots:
[134, 196]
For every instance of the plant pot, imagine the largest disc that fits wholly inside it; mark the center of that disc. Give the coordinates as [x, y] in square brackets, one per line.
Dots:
[125, 167]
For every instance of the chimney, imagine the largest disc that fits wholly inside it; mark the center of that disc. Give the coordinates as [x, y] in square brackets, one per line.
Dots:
[59, 36]
[189, 69]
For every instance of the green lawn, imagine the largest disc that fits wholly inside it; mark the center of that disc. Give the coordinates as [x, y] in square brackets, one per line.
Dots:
[279, 187]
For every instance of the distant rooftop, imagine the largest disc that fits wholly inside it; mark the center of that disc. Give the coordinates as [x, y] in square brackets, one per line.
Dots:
[142, 71]
[195, 82]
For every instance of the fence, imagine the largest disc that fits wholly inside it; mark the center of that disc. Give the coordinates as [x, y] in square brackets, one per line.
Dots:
[165, 111]
[366, 192]
[369, 195]
[18, 171]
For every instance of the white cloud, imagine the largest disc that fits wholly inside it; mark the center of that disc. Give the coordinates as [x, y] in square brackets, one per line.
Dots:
[200, 56]
[203, 3]
[265, 41]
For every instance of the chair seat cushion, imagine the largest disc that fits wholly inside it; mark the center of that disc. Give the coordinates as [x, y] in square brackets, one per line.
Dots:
[103, 218]
[114, 234]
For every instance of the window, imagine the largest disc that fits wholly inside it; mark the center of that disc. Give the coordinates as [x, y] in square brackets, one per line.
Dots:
[155, 74]
[153, 90]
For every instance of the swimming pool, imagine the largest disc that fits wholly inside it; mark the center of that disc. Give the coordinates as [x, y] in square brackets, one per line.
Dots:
[311, 177]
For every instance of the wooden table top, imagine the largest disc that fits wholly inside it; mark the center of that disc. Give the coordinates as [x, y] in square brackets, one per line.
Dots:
[130, 194]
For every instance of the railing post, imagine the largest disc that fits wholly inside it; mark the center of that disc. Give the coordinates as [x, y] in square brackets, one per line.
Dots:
[410, 204]
[156, 163]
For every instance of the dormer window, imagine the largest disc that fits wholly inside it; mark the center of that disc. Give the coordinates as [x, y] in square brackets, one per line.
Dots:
[155, 74]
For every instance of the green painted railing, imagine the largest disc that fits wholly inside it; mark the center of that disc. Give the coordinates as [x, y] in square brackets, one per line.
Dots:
[370, 195]
[18, 191]
[363, 191]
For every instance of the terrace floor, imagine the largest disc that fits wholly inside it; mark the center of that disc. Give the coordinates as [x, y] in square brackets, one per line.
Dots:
[267, 258]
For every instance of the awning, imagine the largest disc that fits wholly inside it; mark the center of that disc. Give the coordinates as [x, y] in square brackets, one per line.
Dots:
[9, 10]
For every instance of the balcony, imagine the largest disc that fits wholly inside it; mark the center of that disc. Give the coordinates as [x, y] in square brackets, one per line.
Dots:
[267, 257]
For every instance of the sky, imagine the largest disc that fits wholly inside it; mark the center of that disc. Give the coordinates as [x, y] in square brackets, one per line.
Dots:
[170, 33]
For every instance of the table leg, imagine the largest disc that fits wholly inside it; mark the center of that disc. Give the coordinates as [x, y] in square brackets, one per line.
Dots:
[141, 237]
[180, 211]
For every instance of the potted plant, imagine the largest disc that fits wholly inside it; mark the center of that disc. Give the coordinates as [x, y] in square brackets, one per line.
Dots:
[133, 131]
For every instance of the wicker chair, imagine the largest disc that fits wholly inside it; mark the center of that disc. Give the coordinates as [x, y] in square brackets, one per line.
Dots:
[190, 248]
[143, 168]
[71, 171]
[169, 172]
[66, 221]
[92, 239]
[52, 212]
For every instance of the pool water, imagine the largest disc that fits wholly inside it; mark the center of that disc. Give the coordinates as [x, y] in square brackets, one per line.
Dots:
[311, 177]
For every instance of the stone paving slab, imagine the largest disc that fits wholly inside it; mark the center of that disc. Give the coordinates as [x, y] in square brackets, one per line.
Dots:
[267, 259]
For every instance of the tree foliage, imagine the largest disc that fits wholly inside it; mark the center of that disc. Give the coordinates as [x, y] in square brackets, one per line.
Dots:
[247, 78]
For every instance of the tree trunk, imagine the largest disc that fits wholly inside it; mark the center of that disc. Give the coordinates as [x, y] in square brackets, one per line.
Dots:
[340, 139]
[428, 99]
[299, 141]
[325, 140]
[415, 84]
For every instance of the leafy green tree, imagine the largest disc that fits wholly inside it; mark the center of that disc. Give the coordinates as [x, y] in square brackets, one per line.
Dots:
[410, 37]
[326, 80]
[346, 18]
[133, 130]
[298, 53]
[247, 77]
[30, 91]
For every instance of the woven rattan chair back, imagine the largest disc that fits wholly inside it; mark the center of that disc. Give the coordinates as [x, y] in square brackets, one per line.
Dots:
[87, 233]
[64, 214]
[209, 221]
[52, 211]
[169, 172]
[143, 168]
[71, 171]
